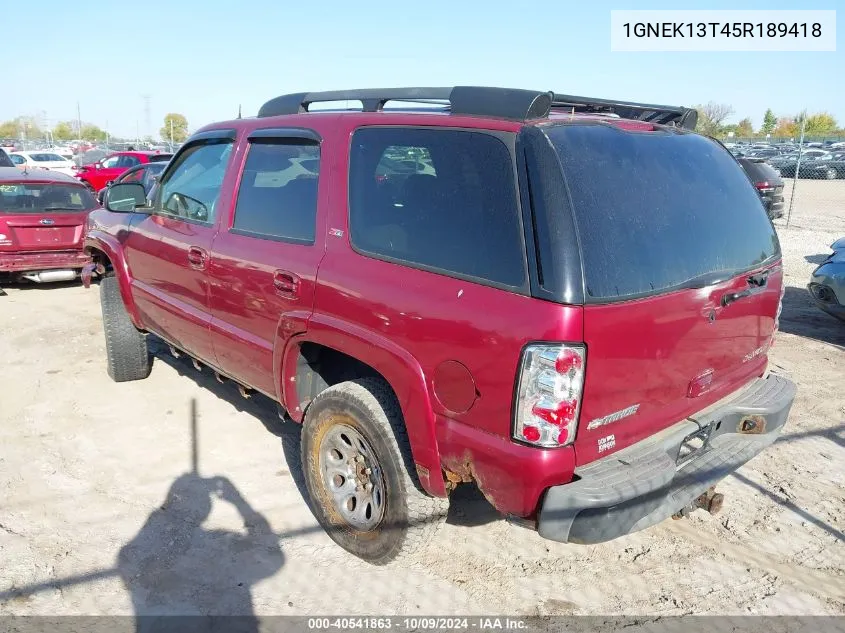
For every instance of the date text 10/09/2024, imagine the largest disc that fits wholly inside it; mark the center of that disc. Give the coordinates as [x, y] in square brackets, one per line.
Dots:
[417, 624]
[724, 29]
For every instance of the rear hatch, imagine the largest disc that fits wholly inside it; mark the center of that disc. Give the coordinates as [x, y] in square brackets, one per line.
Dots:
[42, 216]
[682, 277]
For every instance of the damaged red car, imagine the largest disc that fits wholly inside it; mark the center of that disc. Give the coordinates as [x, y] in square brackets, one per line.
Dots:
[42, 224]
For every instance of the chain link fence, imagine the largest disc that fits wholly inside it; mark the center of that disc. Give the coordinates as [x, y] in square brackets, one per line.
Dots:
[812, 171]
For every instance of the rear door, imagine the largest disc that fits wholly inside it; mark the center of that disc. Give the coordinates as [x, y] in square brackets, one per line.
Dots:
[264, 260]
[682, 278]
[37, 217]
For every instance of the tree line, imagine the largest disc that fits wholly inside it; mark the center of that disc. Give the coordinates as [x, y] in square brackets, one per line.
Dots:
[23, 127]
[712, 119]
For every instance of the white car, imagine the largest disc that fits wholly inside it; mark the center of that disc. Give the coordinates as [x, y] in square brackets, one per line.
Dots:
[43, 159]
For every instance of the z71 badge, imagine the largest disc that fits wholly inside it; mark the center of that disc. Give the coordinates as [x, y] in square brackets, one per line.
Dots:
[606, 443]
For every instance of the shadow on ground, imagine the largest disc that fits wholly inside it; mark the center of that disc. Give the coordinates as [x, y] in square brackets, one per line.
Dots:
[467, 506]
[801, 317]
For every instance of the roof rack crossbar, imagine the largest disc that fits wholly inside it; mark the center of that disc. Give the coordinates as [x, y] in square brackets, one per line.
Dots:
[505, 103]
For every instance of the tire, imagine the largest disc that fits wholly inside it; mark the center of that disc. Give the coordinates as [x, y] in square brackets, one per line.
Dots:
[406, 519]
[127, 356]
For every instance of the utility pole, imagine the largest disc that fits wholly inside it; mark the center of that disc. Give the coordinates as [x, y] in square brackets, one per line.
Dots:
[147, 122]
[797, 167]
[171, 133]
[78, 121]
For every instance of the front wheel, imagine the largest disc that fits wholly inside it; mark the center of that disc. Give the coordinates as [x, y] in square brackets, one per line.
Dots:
[127, 356]
[358, 471]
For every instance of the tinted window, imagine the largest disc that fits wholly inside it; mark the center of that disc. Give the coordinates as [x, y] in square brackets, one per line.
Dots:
[128, 161]
[17, 159]
[657, 209]
[191, 188]
[132, 176]
[46, 158]
[278, 192]
[38, 198]
[5, 161]
[758, 171]
[439, 199]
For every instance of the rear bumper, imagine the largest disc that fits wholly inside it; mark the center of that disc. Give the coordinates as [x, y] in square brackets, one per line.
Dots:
[30, 262]
[642, 485]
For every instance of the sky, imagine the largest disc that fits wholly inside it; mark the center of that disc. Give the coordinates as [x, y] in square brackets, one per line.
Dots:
[204, 58]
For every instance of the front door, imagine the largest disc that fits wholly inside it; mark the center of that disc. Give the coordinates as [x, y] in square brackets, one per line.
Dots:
[168, 250]
[264, 260]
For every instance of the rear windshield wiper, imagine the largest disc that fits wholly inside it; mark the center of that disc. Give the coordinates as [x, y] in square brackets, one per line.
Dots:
[707, 279]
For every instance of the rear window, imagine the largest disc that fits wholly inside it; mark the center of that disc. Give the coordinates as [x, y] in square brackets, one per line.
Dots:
[657, 209]
[41, 197]
[440, 200]
[758, 171]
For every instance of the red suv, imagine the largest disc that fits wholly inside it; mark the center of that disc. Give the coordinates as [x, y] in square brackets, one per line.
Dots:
[42, 220]
[568, 301]
[101, 173]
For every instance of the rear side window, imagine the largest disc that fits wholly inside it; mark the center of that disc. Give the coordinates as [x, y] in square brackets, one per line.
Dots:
[441, 200]
[5, 161]
[277, 198]
[657, 209]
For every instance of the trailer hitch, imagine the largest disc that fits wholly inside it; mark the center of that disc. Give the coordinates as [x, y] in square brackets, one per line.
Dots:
[711, 501]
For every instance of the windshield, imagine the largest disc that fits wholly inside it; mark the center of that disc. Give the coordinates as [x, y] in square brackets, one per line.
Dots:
[42, 197]
[657, 209]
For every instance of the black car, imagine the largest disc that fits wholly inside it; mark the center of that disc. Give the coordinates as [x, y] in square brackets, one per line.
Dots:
[768, 152]
[144, 174]
[767, 182]
[825, 168]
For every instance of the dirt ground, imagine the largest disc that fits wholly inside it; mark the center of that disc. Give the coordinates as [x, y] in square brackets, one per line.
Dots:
[99, 500]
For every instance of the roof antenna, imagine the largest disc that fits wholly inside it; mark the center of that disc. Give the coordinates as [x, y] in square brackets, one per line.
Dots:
[239, 111]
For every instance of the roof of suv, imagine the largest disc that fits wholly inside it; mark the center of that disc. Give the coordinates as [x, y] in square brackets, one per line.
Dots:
[499, 108]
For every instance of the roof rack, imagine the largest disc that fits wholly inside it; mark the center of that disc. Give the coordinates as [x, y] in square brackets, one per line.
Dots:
[505, 103]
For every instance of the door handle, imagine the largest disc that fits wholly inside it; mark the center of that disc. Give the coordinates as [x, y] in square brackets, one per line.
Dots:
[197, 257]
[286, 283]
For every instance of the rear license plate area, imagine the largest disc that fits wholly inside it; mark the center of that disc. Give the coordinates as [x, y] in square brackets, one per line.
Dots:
[694, 444]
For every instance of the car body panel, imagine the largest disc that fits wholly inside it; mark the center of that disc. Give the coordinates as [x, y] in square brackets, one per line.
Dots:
[827, 282]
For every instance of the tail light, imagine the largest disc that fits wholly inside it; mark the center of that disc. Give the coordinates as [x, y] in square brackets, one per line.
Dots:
[551, 380]
[764, 186]
[780, 309]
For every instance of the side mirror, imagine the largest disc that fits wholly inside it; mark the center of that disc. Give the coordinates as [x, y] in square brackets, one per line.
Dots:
[125, 197]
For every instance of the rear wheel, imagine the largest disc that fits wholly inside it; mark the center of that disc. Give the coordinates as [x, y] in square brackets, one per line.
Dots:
[358, 471]
[127, 356]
